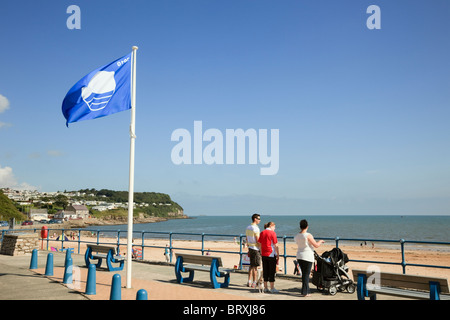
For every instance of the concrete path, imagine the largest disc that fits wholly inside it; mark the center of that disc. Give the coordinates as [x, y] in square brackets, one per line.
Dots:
[17, 281]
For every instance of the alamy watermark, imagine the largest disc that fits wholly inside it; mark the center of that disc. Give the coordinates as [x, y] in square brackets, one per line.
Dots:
[374, 21]
[231, 147]
[73, 277]
[373, 281]
[74, 20]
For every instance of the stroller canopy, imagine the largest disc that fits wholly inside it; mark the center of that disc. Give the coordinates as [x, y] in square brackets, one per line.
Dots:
[336, 255]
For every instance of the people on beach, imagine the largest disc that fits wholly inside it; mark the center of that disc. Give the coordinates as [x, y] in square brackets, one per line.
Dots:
[252, 234]
[270, 255]
[305, 254]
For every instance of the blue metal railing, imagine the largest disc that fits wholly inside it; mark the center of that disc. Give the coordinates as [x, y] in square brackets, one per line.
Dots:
[241, 237]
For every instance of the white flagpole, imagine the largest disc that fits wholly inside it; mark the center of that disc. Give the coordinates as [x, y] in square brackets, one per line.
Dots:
[131, 181]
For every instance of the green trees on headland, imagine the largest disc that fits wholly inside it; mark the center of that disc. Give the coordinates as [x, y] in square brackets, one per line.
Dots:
[102, 203]
[149, 203]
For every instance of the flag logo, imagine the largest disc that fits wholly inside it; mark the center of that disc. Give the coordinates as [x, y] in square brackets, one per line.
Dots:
[99, 90]
[102, 92]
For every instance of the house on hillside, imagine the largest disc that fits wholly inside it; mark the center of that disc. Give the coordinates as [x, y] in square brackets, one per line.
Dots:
[77, 211]
[63, 215]
[38, 214]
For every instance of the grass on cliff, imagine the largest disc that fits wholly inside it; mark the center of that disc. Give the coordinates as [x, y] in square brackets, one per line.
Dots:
[8, 210]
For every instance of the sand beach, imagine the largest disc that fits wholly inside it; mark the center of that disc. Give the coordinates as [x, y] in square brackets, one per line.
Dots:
[155, 253]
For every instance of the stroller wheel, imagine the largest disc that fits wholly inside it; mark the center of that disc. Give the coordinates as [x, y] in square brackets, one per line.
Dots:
[351, 288]
[332, 290]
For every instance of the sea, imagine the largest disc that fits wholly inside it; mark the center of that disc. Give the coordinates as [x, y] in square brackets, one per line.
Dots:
[359, 229]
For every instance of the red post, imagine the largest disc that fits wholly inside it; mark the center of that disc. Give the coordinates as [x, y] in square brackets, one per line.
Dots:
[44, 234]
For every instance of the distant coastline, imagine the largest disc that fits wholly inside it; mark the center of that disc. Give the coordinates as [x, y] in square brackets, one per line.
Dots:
[92, 222]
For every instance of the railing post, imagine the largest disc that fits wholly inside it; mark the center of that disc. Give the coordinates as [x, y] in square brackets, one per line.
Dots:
[402, 246]
[337, 242]
[79, 241]
[143, 243]
[170, 246]
[118, 240]
[62, 238]
[48, 234]
[284, 254]
[240, 251]
[98, 236]
[203, 244]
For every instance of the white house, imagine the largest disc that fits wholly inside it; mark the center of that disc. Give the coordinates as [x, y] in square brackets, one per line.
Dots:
[78, 211]
[38, 214]
[65, 215]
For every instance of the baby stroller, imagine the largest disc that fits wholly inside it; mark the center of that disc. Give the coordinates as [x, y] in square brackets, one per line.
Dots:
[330, 272]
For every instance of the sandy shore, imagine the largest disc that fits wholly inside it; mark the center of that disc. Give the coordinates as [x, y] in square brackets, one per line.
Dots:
[366, 253]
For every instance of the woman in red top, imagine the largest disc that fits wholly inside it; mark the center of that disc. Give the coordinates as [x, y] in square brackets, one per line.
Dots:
[270, 254]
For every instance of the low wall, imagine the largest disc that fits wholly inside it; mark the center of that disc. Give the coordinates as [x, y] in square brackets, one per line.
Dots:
[15, 244]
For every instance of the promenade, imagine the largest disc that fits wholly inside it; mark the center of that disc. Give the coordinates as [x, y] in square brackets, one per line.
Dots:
[18, 282]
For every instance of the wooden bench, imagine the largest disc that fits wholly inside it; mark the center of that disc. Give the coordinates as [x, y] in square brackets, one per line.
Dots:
[400, 285]
[213, 265]
[104, 252]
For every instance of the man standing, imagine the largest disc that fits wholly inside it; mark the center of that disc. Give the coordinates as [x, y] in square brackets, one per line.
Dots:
[252, 233]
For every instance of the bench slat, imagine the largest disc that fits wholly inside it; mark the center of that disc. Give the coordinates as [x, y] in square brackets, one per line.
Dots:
[103, 256]
[402, 293]
[101, 248]
[197, 259]
[204, 268]
[406, 293]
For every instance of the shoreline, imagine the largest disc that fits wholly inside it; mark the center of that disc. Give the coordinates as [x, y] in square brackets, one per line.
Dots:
[93, 222]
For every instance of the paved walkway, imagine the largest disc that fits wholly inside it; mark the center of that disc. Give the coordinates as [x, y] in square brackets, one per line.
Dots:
[18, 282]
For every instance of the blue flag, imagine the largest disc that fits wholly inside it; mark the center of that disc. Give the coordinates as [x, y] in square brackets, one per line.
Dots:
[102, 92]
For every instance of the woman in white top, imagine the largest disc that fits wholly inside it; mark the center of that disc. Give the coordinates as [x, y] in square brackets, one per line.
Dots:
[305, 254]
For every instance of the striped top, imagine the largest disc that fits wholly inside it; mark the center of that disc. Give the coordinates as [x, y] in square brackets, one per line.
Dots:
[252, 232]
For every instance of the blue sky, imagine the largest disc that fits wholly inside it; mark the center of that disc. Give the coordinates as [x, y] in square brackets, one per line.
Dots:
[362, 114]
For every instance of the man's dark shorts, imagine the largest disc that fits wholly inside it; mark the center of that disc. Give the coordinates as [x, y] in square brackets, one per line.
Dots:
[255, 257]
